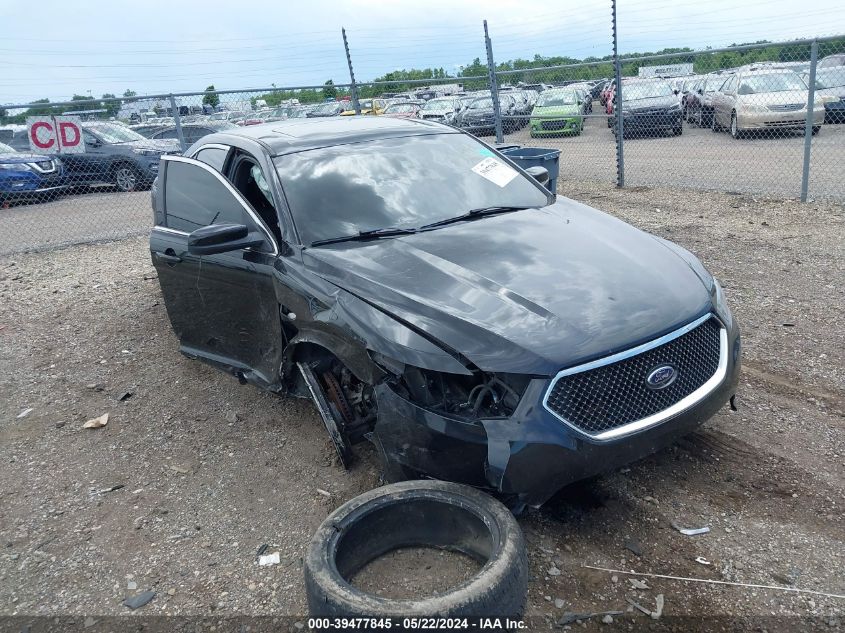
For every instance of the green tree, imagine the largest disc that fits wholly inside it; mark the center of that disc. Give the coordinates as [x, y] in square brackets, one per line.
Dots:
[329, 90]
[111, 104]
[211, 98]
[128, 94]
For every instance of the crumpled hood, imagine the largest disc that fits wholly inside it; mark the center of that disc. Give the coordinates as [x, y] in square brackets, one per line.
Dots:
[531, 291]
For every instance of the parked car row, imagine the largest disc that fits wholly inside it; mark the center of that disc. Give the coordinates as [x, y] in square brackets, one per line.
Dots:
[114, 155]
[768, 98]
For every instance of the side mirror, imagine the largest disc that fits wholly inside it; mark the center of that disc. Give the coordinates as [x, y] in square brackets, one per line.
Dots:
[221, 238]
[92, 142]
[540, 174]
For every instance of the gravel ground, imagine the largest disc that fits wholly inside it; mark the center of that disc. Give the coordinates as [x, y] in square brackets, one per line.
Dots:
[193, 472]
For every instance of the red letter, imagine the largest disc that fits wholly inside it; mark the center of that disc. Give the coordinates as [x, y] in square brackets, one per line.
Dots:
[73, 141]
[33, 134]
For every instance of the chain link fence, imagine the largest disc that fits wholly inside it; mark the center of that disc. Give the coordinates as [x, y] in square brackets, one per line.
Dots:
[763, 119]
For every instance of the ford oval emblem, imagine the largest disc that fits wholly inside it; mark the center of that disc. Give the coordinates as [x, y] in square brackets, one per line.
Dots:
[661, 377]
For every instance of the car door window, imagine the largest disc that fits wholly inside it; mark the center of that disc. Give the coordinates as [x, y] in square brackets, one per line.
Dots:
[213, 157]
[195, 196]
[248, 178]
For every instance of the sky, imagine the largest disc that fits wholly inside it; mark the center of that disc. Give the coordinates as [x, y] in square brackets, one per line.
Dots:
[56, 48]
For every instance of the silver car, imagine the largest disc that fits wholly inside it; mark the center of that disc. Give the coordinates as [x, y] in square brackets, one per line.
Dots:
[763, 100]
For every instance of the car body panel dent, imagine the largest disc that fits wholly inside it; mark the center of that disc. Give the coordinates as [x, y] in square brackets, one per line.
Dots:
[540, 289]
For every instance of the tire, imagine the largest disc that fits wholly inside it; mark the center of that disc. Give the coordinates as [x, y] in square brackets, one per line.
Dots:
[735, 131]
[429, 513]
[714, 126]
[126, 178]
[678, 130]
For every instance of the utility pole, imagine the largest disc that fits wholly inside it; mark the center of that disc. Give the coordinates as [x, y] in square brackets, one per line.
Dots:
[355, 102]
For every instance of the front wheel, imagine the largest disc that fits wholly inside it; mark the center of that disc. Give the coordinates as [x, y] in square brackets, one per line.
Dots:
[735, 131]
[677, 131]
[126, 178]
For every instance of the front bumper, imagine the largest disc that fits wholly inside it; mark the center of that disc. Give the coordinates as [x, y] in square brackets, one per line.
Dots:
[555, 127]
[652, 121]
[532, 454]
[27, 184]
[835, 111]
[769, 119]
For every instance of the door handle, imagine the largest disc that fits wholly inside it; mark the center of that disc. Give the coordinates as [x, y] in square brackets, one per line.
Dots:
[170, 259]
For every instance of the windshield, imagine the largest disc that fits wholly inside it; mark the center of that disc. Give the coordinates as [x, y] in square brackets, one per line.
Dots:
[830, 77]
[110, 133]
[646, 90]
[557, 98]
[397, 182]
[220, 116]
[399, 107]
[770, 82]
[326, 108]
[439, 105]
[713, 84]
[5, 149]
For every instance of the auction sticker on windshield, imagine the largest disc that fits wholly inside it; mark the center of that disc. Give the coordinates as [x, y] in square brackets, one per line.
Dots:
[496, 172]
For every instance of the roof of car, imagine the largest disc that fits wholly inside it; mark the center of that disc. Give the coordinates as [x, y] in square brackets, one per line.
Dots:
[296, 135]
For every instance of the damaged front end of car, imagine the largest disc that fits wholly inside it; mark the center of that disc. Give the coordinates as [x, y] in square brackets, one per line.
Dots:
[496, 430]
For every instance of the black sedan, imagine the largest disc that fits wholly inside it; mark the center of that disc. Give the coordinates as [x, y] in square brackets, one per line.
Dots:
[432, 297]
[650, 107]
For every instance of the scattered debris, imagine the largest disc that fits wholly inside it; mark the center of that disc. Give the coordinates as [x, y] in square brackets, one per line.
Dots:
[559, 604]
[658, 608]
[139, 600]
[553, 571]
[112, 489]
[182, 470]
[570, 617]
[60, 424]
[269, 559]
[634, 547]
[607, 619]
[702, 561]
[97, 423]
[261, 550]
[690, 531]
[638, 584]
[96, 386]
[131, 585]
[718, 582]
[126, 395]
[325, 493]
[25, 413]
[233, 417]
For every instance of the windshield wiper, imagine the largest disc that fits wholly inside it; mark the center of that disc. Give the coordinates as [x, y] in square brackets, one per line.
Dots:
[366, 235]
[476, 213]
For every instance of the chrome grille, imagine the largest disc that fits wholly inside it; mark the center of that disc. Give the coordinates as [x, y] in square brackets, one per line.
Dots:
[603, 400]
[786, 107]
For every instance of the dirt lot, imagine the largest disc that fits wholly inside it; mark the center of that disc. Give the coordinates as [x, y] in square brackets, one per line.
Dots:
[211, 470]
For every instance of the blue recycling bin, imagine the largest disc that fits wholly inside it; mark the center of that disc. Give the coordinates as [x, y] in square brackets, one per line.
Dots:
[527, 157]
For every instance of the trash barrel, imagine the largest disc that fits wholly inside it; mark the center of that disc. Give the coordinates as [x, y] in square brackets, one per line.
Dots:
[527, 157]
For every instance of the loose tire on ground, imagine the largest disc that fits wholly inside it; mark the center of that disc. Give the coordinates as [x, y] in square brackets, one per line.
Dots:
[428, 513]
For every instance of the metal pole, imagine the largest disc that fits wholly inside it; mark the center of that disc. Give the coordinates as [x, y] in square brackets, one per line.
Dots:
[808, 123]
[617, 106]
[494, 87]
[354, 86]
[178, 120]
